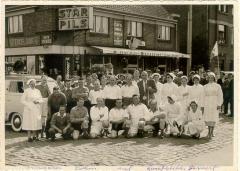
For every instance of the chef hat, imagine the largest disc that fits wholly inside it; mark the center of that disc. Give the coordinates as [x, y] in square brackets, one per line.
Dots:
[30, 80]
[196, 76]
[171, 75]
[212, 74]
[193, 101]
[173, 97]
[184, 77]
[156, 74]
[180, 73]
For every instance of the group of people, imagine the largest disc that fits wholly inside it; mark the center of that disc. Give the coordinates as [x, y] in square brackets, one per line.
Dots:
[130, 105]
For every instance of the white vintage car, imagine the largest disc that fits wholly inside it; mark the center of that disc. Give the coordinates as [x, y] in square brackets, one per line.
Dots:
[15, 84]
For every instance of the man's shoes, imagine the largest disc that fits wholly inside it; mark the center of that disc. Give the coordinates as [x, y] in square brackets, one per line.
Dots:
[30, 140]
[52, 139]
[36, 139]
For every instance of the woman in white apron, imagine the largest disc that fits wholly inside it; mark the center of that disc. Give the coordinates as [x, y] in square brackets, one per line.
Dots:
[183, 96]
[31, 100]
[159, 85]
[194, 124]
[212, 103]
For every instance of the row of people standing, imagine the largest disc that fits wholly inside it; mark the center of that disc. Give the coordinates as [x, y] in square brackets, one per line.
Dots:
[146, 88]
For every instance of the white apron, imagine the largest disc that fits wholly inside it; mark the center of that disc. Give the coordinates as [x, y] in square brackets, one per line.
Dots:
[195, 122]
[213, 98]
[32, 112]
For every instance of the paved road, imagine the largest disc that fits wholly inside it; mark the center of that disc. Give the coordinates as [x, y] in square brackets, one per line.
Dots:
[147, 151]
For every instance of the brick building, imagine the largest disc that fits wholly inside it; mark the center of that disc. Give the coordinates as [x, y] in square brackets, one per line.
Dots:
[126, 36]
[210, 23]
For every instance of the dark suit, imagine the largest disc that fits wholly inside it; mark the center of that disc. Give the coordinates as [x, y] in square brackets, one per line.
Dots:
[145, 92]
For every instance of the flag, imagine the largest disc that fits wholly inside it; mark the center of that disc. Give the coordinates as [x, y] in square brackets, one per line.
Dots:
[214, 52]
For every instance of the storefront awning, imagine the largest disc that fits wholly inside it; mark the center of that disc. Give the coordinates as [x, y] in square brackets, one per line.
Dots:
[50, 49]
[139, 52]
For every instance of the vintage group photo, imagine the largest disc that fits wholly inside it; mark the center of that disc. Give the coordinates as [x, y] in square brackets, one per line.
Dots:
[118, 85]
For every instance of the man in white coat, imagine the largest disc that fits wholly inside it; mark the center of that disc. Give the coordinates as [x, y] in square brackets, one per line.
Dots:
[137, 112]
[99, 116]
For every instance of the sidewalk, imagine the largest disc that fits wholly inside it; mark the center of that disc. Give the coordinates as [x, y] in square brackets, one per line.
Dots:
[222, 157]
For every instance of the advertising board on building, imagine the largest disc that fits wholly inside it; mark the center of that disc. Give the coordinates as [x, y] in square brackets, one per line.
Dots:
[24, 41]
[118, 33]
[75, 18]
[46, 39]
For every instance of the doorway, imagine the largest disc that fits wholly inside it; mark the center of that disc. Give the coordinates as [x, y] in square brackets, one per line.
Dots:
[54, 65]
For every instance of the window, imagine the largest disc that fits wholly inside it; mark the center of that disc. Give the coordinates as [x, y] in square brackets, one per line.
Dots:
[16, 87]
[222, 34]
[222, 8]
[100, 24]
[134, 29]
[15, 24]
[164, 32]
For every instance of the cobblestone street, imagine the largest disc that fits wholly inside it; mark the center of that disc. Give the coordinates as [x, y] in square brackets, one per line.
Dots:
[147, 151]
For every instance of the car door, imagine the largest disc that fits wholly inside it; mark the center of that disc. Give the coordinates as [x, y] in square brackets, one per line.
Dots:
[14, 91]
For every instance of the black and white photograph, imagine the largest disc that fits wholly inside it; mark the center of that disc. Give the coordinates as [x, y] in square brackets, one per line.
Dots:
[119, 84]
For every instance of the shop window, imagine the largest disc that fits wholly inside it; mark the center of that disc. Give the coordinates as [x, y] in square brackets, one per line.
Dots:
[16, 63]
[16, 87]
[15, 24]
[100, 24]
[164, 33]
[223, 8]
[134, 28]
[222, 34]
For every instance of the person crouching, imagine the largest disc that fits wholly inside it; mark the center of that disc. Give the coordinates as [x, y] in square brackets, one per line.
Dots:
[137, 112]
[194, 124]
[155, 120]
[79, 119]
[117, 118]
[60, 123]
[174, 116]
[99, 116]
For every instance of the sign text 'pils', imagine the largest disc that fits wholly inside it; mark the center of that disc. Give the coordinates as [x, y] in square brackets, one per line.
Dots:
[75, 18]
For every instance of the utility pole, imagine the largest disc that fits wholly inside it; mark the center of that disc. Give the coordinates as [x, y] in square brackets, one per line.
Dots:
[189, 38]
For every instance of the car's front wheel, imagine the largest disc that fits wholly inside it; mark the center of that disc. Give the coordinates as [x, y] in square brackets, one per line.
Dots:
[16, 122]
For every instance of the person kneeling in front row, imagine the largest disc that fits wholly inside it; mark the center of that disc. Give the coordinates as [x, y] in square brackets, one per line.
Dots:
[137, 112]
[79, 119]
[193, 123]
[99, 116]
[155, 120]
[60, 123]
[118, 117]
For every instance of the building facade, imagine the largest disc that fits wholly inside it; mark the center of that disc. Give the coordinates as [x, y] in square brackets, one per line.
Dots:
[210, 24]
[52, 39]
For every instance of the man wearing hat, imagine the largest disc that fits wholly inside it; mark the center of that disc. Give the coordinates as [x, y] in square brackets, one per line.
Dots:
[196, 92]
[147, 88]
[169, 88]
[55, 100]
